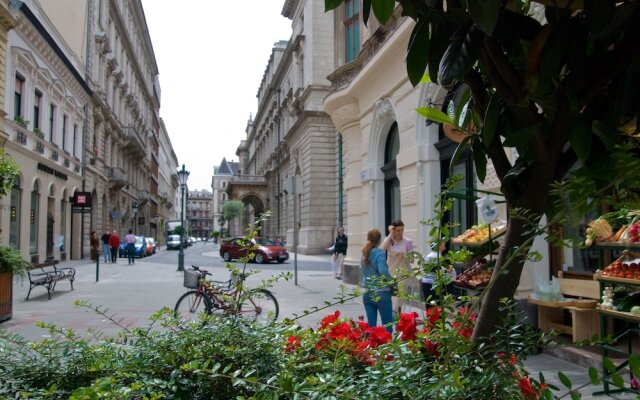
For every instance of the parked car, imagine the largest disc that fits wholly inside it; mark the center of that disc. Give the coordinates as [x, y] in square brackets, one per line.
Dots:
[140, 248]
[152, 246]
[264, 250]
[173, 242]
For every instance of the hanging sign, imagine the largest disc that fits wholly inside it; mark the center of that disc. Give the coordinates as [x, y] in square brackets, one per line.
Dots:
[81, 202]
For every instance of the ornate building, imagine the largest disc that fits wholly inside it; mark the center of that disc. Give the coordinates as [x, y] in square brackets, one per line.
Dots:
[291, 139]
[199, 214]
[222, 174]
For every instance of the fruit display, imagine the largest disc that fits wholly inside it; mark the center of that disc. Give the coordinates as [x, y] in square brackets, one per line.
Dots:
[626, 267]
[476, 276]
[479, 234]
[615, 228]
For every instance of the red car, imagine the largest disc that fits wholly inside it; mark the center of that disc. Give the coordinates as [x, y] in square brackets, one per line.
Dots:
[264, 250]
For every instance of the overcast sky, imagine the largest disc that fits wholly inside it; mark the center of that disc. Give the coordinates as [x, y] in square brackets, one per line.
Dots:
[211, 56]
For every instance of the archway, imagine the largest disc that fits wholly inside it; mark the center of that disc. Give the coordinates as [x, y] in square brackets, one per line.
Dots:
[254, 207]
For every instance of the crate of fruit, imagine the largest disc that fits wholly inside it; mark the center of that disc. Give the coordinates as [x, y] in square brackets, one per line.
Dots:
[478, 235]
[625, 268]
[476, 276]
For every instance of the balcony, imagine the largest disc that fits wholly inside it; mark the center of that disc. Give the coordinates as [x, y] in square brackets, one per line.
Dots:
[133, 142]
[143, 196]
[117, 177]
[241, 185]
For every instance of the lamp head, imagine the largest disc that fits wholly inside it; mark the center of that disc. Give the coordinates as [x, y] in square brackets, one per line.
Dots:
[134, 207]
[183, 175]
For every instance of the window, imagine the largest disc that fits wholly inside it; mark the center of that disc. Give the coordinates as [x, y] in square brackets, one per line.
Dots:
[391, 181]
[75, 139]
[352, 29]
[14, 216]
[52, 113]
[37, 102]
[64, 132]
[17, 98]
[33, 220]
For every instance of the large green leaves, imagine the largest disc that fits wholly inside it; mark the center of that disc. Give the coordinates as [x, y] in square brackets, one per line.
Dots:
[417, 53]
[383, 9]
[479, 158]
[435, 115]
[460, 56]
[491, 119]
[484, 14]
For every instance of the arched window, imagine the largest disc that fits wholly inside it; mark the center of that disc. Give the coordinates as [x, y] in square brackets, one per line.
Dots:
[391, 181]
[14, 216]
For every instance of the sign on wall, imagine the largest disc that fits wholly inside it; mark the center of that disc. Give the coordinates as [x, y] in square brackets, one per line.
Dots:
[81, 202]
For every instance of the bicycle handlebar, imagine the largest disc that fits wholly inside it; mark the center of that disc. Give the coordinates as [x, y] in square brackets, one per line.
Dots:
[202, 271]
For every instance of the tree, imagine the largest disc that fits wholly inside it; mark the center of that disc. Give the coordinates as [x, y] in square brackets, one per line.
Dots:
[232, 209]
[8, 173]
[563, 93]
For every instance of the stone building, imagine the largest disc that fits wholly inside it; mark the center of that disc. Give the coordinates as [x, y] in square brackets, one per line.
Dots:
[291, 139]
[199, 214]
[82, 103]
[167, 183]
[222, 174]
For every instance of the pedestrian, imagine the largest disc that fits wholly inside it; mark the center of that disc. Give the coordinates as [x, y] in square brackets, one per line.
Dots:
[114, 243]
[106, 249]
[339, 252]
[94, 244]
[377, 296]
[434, 258]
[397, 246]
[130, 240]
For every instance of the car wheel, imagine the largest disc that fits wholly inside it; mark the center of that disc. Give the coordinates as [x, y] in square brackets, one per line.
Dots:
[259, 258]
[226, 256]
[280, 260]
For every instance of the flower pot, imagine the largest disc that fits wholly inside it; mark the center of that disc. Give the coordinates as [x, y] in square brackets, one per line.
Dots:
[6, 295]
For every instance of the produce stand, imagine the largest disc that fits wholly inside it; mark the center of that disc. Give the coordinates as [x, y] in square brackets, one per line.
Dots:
[631, 321]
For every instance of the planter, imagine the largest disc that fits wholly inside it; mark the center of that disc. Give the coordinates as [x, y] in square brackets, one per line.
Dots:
[6, 295]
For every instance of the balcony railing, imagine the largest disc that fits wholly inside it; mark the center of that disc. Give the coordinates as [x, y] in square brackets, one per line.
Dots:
[143, 196]
[116, 176]
[248, 180]
[134, 142]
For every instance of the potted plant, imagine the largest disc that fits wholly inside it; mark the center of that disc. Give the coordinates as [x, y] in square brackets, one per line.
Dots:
[38, 133]
[11, 263]
[19, 119]
[216, 235]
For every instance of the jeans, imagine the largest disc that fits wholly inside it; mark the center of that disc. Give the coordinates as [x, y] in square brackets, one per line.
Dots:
[131, 250]
[379, 301]
[106, 250]
[114, 254]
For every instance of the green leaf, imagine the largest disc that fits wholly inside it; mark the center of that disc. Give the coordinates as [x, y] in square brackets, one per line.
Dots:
[491, 119]
[459, 57]
[580, 138]
[435, 115]
[425, 79]
[462, 107]
[634, 364]
[441, 33]
[484, 14]
[331, 4]
[418, 51]
[575, 395]
[564, 379]
[599, 13]
[593, 376]
[608, 365]
[383, 9]
[366, 11]
[606, 133]
[458, 153]
[479, 158]
[617, 380]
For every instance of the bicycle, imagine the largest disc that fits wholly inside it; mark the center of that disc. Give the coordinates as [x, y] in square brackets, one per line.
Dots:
[221, 298]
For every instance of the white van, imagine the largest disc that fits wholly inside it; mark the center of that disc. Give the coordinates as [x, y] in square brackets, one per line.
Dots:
[173, 242]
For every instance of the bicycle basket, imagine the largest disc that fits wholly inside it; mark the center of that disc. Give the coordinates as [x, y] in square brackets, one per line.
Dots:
[191, 279]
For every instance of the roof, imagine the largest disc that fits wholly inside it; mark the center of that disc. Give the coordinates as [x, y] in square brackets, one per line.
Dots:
[226, 168]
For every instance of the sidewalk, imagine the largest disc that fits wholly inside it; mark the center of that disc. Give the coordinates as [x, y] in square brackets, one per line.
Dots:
[133, 293]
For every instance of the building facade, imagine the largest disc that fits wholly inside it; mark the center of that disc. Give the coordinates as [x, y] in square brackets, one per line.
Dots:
[167, 183]
[222, 174]
[289, 160]
[199, 215]
[82, 107]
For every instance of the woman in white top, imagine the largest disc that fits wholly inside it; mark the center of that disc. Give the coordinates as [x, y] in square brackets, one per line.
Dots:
[397, 246]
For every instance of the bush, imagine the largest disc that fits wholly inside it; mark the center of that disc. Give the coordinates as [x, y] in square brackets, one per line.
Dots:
[230, 359]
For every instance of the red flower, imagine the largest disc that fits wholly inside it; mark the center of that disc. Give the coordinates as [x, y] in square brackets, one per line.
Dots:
[527, 389]
[432, 348]
[293, 342]
[378, 335]
[329, 319]
[433, 315]
[407, 325]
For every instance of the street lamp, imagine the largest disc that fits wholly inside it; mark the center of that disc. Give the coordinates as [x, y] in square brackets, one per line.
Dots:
[221, 222]
[183, 175]
[134, 208]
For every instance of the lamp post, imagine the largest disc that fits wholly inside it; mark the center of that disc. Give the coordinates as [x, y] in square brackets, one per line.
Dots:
[183, 175]
[221, 222]
[134, 208]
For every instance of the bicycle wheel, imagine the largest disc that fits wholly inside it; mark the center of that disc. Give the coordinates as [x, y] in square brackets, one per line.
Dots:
[261, 307]
[190, 304]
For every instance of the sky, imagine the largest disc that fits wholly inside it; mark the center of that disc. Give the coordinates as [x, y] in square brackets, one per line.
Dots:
[211, 57]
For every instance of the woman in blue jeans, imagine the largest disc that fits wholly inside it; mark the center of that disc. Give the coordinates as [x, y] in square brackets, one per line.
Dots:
[377, 297]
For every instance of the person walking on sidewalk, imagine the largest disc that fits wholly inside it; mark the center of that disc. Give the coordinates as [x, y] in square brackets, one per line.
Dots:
[94, 245]
[377, 296]
[114, 243]
[339, 252]
[130, 240]
[106, 250]
[397, 246]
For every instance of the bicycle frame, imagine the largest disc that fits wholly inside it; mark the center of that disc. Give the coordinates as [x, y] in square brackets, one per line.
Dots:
[217, 295]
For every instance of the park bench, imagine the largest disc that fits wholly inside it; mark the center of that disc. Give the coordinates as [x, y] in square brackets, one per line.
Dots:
[47, 274]
[583, 322]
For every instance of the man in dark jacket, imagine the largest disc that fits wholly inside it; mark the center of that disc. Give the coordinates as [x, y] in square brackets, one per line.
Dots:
[339, 252]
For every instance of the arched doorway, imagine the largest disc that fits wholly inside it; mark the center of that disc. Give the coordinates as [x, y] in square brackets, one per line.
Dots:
[254, 207]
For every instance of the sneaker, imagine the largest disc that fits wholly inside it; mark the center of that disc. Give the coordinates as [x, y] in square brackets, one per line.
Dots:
[338, 277]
